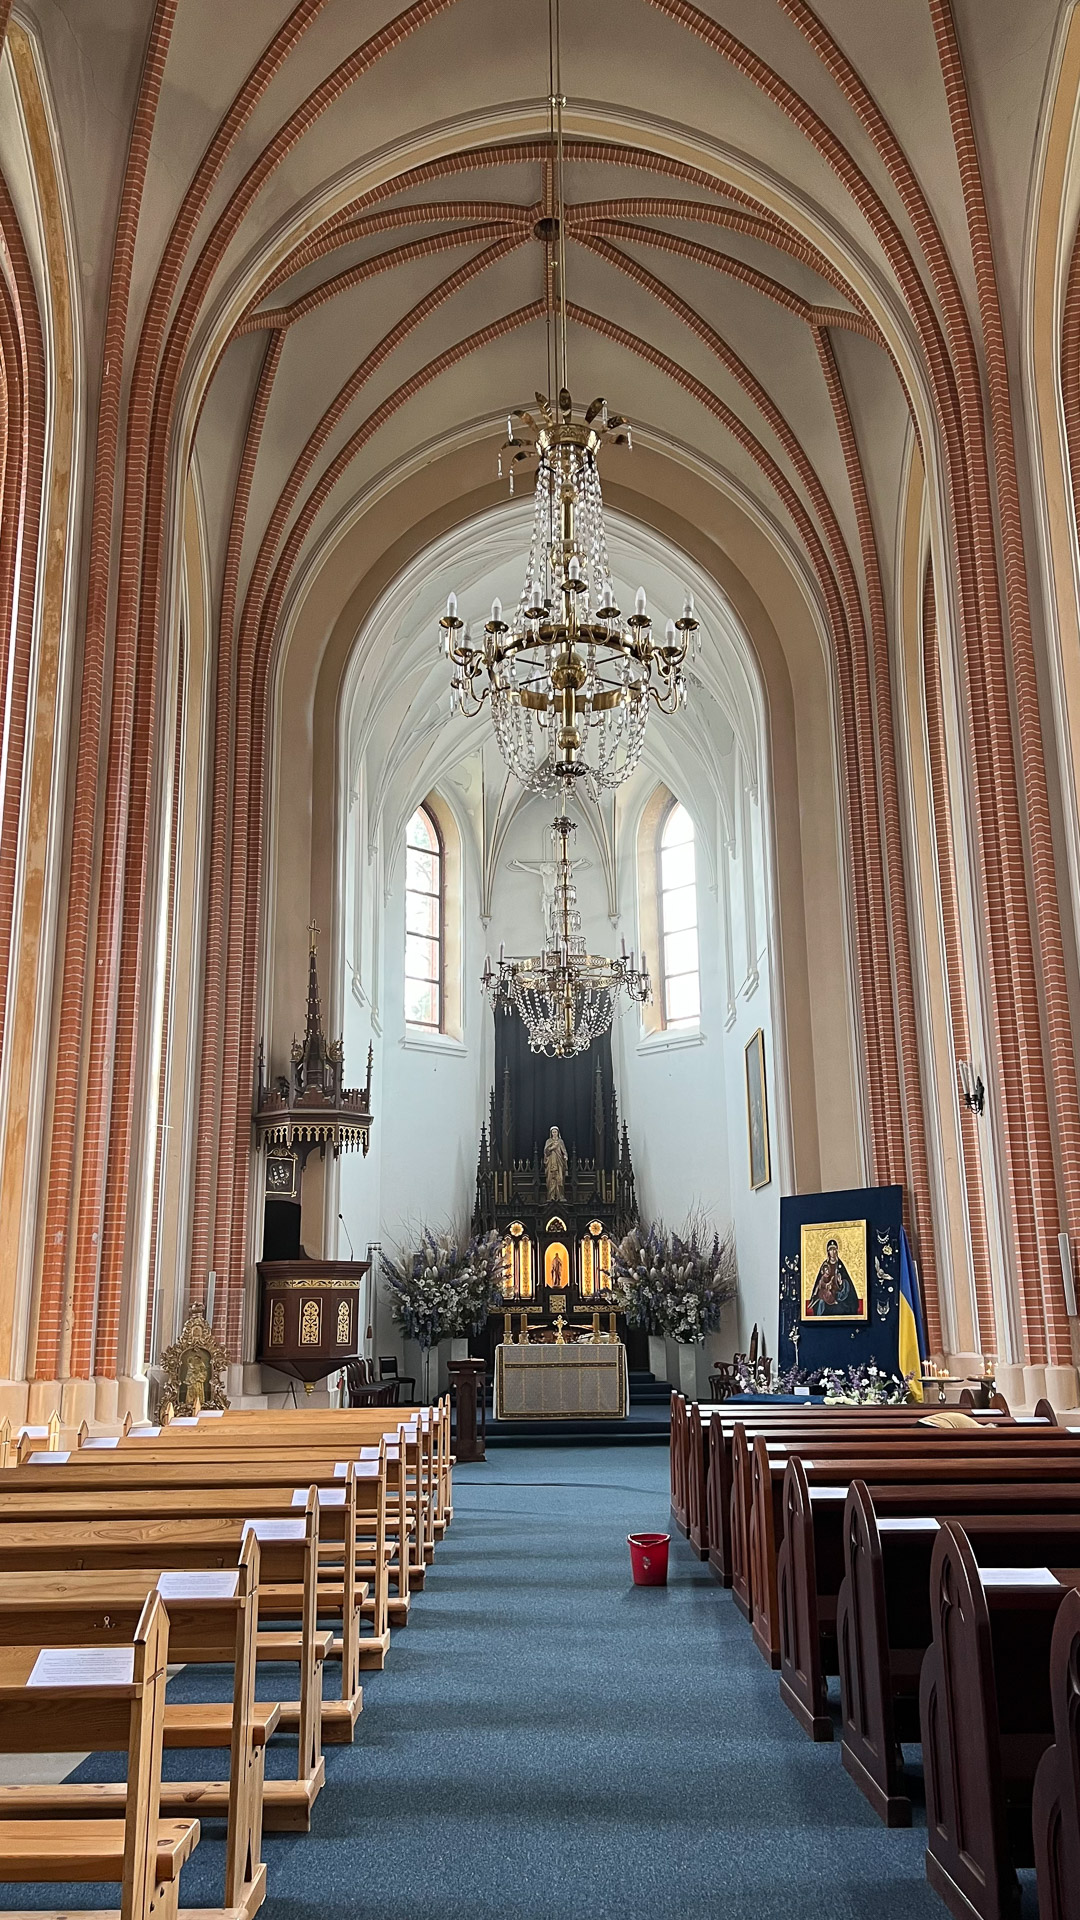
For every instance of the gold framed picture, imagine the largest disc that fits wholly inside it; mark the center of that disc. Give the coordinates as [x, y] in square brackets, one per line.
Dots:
[757, 1111]
[833, 1271]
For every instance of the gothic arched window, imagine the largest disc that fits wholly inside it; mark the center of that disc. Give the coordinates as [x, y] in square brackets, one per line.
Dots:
[676, 891]
[425, 913]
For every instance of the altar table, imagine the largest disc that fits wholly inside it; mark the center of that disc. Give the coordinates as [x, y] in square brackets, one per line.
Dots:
[586, 1380]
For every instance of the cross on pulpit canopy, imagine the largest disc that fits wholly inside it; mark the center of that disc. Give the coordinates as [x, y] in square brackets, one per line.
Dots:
[313, 928]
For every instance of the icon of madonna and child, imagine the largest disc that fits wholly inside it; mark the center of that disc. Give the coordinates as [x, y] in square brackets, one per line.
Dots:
[834, 1271]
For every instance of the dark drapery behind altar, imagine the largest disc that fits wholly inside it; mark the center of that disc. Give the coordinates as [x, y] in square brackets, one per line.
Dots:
[533, 1094]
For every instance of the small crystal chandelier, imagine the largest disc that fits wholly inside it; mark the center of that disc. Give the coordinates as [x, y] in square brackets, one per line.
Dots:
[570, 677]
[565, 995]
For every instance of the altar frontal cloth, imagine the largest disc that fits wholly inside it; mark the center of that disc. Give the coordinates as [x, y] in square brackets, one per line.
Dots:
[579, 1382]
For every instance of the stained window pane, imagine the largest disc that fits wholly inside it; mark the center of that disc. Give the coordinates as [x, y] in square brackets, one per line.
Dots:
[677, 866]
[683, 998]
[681, 952]
[421, 871]
[679, 909]
[422, 914]
[421, 1003]
[421, 958]
[421, 833]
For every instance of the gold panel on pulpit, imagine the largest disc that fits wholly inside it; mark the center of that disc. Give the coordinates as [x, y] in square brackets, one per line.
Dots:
[517, 1263]
[595, 1259]
[558, 1272]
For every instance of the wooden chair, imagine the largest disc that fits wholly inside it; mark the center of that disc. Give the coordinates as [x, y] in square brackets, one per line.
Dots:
[142, 1852]
[388, 1370]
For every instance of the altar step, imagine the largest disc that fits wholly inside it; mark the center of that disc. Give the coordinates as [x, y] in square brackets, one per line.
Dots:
[648, 1422]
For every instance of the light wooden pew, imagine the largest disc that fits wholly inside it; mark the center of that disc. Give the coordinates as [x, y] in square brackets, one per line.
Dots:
[987, 1718]
[83, 1489]
[345, 1429]
[385, 1492]
[935, 1453]
[212, 1619]
[125, 1702]
[883, 1618]
[289, 1554]
[409, 1494]
[1055, 1813]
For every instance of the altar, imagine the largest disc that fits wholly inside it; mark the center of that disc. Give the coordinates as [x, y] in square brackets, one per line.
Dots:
[583, 1381]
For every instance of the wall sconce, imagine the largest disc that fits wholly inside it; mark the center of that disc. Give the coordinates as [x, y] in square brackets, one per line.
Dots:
[972, 1090]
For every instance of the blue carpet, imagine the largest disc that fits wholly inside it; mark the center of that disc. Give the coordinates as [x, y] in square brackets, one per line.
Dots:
[548, 1740]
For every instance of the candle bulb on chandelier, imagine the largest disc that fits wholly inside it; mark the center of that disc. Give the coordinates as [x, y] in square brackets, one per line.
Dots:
[669, 634]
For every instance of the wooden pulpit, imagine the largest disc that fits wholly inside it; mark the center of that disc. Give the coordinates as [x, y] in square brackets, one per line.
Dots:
[309, 1315]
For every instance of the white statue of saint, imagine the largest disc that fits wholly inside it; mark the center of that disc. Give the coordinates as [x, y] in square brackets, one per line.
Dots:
[555, 1164]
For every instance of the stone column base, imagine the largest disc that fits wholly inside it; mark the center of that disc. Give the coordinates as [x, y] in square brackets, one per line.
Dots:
[14, 1395]
[1010, 1382]
[1061, 1388]
[43, 1400]
[1034, 1385]
[132, 1396]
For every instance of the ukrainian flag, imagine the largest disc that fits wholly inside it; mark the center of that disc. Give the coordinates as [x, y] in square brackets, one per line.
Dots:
[912, 1345]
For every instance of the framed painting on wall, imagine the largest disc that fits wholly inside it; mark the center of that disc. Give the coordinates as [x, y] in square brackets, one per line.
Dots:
[757, 1111]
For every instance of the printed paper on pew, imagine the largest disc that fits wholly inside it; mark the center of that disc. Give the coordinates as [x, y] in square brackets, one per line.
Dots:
[210, 1585]
[144, 1433]
[914, 1523]
[328, 1496]
[104, 1441]
[48, 1459]
[83, 1667]
[1018, 1577]
[275, 1529]
[826, 1493]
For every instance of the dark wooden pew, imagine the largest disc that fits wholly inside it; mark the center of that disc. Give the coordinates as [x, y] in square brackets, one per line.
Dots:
[987, 1719]
[1019, 1461]
[1055, 1812]
[728, 1474]
[884, 1620]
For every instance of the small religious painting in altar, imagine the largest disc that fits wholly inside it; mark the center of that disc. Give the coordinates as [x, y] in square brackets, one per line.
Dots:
[834, 1271]
[517, 1280]
[595, 1259]
[194, 1368]
[557, 1267]
[757, 1111]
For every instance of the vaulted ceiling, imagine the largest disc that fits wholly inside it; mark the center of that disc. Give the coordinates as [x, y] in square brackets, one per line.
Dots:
[340, 233]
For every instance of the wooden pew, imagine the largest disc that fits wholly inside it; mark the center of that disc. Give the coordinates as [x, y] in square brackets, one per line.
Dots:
[289, 1554]
[386, 1490]
[1056, 1798]
[85, 1488]
[884, 1621]
[784, 1426]
[212, 1619]
[987, 1719]
[411, 1502]
[141, 1852]
[1015, 1454]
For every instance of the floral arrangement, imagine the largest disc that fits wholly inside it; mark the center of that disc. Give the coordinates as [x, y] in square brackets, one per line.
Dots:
[860, 1386]
[675, 1284]
[445, 1288]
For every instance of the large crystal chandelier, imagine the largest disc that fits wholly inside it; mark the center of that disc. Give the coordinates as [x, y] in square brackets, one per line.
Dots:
[565, 995]
[570, 677]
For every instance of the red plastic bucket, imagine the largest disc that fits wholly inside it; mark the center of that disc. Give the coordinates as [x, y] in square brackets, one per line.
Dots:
[648, 1558]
